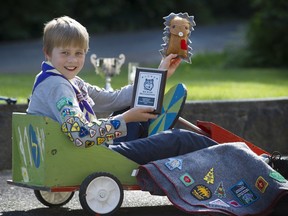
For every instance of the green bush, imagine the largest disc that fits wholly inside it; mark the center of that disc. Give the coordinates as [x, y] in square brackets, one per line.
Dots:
[267, 39]
[24, 19]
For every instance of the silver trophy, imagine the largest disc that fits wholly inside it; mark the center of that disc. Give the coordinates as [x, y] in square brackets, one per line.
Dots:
[107, 67]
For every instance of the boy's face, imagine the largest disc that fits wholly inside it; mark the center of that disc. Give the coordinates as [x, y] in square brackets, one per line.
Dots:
[68, 61]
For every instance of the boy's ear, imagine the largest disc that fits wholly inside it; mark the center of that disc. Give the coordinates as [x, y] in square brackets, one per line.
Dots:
[45, 53]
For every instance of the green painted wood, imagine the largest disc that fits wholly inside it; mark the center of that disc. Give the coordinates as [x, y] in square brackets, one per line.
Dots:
[43, 156]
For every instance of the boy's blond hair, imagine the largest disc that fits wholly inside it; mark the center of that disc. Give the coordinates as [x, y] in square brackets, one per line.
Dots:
[63, 32]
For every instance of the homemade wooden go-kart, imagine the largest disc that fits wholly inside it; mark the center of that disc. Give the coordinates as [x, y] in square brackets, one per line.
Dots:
[47, 162]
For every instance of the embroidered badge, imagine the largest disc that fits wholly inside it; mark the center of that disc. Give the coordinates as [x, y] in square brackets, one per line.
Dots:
[63, 102]
[108, 127]
[261, 184]
[117, 133]
[92, 133]
[75, 127]
[186, 179]
[243, 193]
[70, 137]
[201, 192]
[70, 120]
[115, 123]
[220, 191]
[83, 132]
[89, 143]
[78, 142]
[174, 163]
[68, 112]
[219, 203]
[209, 178]
[102, 131]
[234, 203]
[110, 137]
[64, 128]
[277, 176]
[100, 140]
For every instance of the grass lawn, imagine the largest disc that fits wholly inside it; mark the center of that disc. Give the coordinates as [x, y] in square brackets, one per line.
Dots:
[204, 79]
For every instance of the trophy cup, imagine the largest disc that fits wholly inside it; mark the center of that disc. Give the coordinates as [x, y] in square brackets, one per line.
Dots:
[107, 67]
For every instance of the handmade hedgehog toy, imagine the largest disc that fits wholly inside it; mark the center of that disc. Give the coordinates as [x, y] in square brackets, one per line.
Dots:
[177, 30]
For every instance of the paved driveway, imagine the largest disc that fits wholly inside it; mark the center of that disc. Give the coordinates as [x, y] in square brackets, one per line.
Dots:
[141, 46]
[18, 201]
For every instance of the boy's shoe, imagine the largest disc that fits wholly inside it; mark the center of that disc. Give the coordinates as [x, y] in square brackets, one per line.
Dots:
[279, 163]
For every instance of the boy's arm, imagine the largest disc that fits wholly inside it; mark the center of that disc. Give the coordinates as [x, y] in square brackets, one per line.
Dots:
[73, 123]
[106, 101]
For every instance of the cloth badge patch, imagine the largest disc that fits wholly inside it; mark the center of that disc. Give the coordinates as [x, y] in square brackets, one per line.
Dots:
[108, 127]
[68, 112]
[78, 142]
[209, 178]
[75, 127]
[92, 133]
[63, 102]
[115, 123]
[64, 128]
[201, 192]
[243, 193]
[70, 137]
[220, 191]
[102, 131]
[261, 184]
[100, 140]
[186, 179]
[218, 202]
[118, 133]
[110, 137]
[89, 143]
[234, 203]
[83, 132]
[277, 176]
[70, 120]
[174, 163]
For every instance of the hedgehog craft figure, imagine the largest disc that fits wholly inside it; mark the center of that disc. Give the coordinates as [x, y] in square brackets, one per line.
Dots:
[177, 31]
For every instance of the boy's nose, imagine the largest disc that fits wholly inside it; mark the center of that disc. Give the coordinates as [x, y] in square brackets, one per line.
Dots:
[72, 59]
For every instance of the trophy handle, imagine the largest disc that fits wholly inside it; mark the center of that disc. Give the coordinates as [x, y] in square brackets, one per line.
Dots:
[121, 60]
[93, 60]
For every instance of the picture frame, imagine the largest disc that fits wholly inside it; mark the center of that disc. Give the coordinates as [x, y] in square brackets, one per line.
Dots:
[149, 88]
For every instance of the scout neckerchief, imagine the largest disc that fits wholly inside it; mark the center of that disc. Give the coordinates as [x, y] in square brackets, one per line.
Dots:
[49, 70]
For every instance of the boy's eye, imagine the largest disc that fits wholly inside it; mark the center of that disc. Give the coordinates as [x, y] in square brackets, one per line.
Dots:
[79, 53]
[64, 52]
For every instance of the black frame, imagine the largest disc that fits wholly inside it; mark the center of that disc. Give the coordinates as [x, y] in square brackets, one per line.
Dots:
[161, 83]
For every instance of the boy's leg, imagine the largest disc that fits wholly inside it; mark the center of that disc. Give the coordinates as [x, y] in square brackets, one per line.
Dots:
[165, 144]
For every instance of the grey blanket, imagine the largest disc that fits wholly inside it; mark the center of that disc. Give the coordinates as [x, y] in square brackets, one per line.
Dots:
[225, 179]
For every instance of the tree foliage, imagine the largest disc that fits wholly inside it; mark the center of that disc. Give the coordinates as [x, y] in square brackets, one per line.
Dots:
[268, 34]
[24, 19]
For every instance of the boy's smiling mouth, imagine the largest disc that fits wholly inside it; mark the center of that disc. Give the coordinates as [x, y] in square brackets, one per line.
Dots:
[70, 68]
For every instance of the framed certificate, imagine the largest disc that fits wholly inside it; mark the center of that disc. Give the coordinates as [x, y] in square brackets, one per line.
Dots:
[149, 88]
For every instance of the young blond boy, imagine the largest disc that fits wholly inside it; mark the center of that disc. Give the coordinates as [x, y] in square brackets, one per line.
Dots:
[63, 96]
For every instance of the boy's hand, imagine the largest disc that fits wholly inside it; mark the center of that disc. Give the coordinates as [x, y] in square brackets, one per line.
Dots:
[171, 63]
[139, 114]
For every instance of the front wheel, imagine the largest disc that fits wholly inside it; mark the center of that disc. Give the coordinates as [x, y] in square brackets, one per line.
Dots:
[101, 193]
[53, 199]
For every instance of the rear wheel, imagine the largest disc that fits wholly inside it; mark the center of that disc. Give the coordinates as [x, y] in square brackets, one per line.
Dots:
[101, 193]
[53, 199]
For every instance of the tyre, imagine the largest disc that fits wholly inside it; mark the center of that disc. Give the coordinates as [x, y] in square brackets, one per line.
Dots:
[101, 193]
[53, 199]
